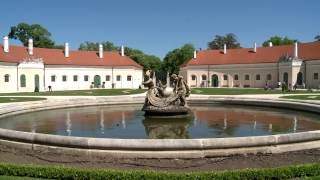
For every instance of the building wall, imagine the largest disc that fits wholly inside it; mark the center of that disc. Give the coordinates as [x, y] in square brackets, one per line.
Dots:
[30, 70]
[11, 70]
[312, 67]
[241, 70]
[91, 72]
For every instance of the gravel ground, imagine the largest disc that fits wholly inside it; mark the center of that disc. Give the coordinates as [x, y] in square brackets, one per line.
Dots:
[10, 155]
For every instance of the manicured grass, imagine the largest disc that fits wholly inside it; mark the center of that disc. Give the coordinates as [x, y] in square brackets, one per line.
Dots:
[17, 178]
[55, 172]
[303, 97]
[93, 92]
[19, 99]
[239, 91]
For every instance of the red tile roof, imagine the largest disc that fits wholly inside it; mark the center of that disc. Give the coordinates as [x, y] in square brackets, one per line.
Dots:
[56, 57]
[306, 51]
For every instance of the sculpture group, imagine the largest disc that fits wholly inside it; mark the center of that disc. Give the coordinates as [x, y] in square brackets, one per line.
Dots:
[164, 100]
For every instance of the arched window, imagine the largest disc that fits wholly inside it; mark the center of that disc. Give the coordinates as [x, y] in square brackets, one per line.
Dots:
[64, 78]
[225, 77]
[299, 78]
[118, 78]
[269, 77]
[204, 77]
[236, 77]
[22, 80]
[75, 78]
[97, 81]
[107, 77]
[193, 77]
[129, 78]
[53, 78]
[247, 77]
[6, 78]
[258, 77]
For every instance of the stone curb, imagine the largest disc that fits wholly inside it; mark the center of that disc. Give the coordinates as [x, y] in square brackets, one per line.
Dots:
[158, 148]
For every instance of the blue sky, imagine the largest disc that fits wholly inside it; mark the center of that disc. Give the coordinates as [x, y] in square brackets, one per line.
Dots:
[157, 27]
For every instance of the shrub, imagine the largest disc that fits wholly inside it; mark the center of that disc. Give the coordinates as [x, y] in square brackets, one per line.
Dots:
[54, 172]
[36, 89]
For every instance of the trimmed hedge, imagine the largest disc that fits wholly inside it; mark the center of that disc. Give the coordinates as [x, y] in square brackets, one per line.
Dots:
[55, 172]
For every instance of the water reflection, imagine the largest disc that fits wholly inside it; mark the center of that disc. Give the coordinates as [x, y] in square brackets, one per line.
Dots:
[130, 122]
[167, 128]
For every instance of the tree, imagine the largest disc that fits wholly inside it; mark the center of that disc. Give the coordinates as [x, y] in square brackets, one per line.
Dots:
[176, 57]
[39, 34]
[93, 46]
[147, 61]
[317, 38]
[229, 39]
[277, 41]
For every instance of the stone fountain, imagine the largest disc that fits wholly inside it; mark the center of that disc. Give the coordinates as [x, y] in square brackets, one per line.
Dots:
[162, 100]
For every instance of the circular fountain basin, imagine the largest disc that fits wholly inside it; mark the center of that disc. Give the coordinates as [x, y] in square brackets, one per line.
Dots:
[216, 127]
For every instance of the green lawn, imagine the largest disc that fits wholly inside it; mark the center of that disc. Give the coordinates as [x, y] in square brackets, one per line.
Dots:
[238, 91]
[59, 172]
[303, 97]
[93, 92]
[16, 178]
[19, 99]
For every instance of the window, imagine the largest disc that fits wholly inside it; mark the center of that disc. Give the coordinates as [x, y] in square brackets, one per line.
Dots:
[64, 78]
[75, 78]
[129, 78]
[246, 77]
[193, 77]
[236, 77]
[107, 78]
[269, 77]
[258, 77]
[22, 80]
[53, 78]
[86, 78]
[118, 78]
[315, 76]
[204, 77]
[6, 78]
[225, 77]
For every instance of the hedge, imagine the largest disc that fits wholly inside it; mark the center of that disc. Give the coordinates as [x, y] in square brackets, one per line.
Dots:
[56, 172]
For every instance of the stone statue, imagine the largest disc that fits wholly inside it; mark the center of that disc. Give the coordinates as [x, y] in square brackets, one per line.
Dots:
[161, 101]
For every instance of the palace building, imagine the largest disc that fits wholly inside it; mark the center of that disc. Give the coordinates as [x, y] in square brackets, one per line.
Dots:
[24, 69]
[256, 67]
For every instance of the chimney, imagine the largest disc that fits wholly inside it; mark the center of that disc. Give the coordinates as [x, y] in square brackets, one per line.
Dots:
[122, 50]
[30, 46]
[296, 49]
[6, 44]
[195, 54]
[270, 44]
[224, 49]
[254, 47]
[66, 49]
[100, 51]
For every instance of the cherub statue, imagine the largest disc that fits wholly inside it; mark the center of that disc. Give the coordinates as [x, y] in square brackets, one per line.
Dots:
[180, 88]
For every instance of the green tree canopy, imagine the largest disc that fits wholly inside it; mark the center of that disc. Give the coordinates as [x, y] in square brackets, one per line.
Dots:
[147, 61]
[176, 57]
[94, 46]
[39, 34]
[229, 39]
[317, 38]
[277, 41]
